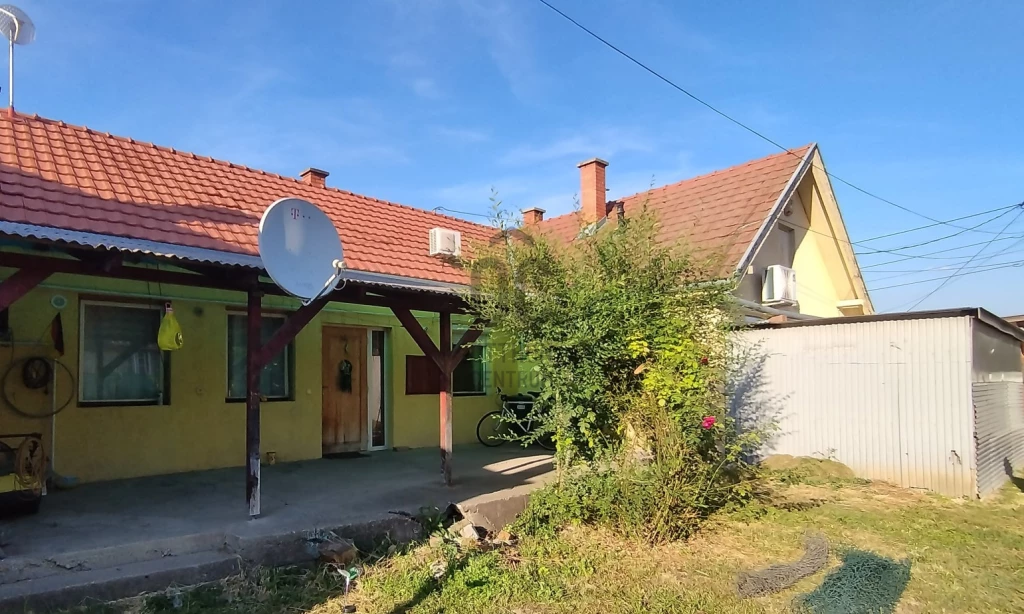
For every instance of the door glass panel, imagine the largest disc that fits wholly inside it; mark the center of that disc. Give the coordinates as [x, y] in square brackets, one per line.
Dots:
[375, 394]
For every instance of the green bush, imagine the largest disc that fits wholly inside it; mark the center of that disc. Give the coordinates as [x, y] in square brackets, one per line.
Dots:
[657, 502]
[628, 336]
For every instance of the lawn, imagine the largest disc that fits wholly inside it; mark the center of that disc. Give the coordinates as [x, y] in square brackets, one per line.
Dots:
[964, 557]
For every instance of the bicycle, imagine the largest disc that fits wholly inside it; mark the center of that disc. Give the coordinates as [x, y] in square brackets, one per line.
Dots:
[514, 419]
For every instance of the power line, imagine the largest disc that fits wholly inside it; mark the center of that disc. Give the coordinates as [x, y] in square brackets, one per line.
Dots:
[735, 121]
[964, 265]
[956, 219]
[897, 250]
[932, 256]
[924, 281]
[907, 273]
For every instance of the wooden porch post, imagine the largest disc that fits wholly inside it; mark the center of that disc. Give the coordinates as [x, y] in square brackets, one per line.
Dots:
[445, 347]
[446, 358]
[253, 327]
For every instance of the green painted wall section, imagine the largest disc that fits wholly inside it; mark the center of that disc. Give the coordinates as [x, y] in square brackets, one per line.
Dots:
[199, 429]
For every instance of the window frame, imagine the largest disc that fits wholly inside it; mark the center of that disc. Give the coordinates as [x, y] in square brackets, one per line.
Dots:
[289, 360]
[482, 343]
[164, 398]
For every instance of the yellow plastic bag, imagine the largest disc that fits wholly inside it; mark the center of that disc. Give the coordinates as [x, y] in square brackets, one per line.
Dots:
[169, 336]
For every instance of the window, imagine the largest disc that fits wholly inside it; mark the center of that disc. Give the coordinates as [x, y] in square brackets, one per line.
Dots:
[471, 374]
[276, 379]
[119, 362]
[788, 245]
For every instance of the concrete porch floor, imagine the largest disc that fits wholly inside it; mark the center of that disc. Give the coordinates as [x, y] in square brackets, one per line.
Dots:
[295, 496]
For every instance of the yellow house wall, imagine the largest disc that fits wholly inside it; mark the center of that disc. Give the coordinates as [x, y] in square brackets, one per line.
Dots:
[199, 429]
[822, 278]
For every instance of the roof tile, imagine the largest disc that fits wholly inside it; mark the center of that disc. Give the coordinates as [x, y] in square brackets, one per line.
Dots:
[54, 174]
[719, 212]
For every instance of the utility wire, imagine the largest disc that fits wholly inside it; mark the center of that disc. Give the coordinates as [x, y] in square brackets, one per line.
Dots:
[932, 256]
[897, 250]
[973, 267]
[947, 279]
[735, 121]
[956, 219]
[924, 281]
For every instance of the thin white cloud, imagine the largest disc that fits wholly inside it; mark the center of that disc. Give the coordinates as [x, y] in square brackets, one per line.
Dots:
[455, 134]
[425, 87]
[601, 143]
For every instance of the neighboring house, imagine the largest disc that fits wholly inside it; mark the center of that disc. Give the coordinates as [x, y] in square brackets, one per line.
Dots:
[774, 223]
[103, 230]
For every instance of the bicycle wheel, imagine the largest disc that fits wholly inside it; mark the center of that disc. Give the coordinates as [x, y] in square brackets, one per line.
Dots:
[492, 430]
[546, 442]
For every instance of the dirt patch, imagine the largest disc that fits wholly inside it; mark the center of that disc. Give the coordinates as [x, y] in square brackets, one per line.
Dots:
[806, 466]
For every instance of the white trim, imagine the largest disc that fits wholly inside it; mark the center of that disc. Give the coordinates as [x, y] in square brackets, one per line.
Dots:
[773, 215]
[81, 348]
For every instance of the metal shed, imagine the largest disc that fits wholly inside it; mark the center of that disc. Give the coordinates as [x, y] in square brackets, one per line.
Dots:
[931, 400]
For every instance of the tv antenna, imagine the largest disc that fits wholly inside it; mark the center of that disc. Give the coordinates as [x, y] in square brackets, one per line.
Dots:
[19, 30]
[301, 249]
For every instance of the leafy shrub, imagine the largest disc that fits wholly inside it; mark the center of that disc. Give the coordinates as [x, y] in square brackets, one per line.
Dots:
[628, 337]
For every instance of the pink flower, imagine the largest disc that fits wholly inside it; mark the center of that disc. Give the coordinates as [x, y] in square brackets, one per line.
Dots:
[707, 422]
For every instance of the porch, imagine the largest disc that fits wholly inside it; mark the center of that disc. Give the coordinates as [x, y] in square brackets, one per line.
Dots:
[118, 528]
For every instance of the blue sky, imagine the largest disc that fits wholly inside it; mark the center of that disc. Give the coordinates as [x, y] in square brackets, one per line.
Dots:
[434, 102]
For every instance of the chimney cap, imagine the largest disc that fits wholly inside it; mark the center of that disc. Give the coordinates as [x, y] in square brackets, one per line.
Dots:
[592, 161]
[537, 209]
[315, 172]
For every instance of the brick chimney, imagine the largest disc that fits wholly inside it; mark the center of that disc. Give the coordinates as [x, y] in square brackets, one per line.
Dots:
[593, 196]
[314, 177]
[532, 216]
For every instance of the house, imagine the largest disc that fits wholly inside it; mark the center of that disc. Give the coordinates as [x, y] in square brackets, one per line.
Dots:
[774, 223]
[99, 234]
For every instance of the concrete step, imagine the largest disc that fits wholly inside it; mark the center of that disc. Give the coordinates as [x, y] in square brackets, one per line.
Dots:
[106, 584]
[21, 568]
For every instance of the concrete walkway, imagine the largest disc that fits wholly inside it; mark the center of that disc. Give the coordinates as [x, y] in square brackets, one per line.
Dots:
[197, 523]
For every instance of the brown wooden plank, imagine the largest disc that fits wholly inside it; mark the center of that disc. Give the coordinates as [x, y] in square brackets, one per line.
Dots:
[20, 283]
[252, 402]
[291, 327]
[465, 344]
[420, 336]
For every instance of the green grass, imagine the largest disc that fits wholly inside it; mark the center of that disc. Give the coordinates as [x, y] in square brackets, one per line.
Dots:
[965, 557]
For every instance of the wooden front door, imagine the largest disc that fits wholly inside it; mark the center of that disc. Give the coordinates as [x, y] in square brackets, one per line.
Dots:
[344, 389]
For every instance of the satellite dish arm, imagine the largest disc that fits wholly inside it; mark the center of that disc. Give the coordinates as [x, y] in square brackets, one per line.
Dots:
[332, 283]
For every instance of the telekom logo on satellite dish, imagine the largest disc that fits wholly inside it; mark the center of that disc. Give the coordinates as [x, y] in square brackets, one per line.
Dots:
[301, 249]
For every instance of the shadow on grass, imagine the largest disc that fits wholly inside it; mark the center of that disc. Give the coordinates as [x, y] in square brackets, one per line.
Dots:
[1016, 481]
[865, 583]
[432, 585]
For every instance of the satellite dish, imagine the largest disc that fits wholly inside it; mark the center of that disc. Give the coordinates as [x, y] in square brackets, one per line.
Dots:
[19, 30]
[300, 248]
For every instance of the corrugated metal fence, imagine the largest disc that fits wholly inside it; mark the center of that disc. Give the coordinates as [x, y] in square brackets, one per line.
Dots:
[999, 431]
[890, 398]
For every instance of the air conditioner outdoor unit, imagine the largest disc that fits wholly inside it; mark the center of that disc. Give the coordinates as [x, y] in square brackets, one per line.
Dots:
[444, 242]
[779, 286]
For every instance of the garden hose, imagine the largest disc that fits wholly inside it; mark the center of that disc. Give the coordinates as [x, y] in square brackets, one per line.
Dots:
[20, 364]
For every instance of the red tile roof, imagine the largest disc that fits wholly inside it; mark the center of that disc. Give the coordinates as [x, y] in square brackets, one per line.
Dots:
[720, 212]
[70, 177]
